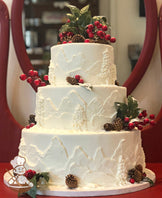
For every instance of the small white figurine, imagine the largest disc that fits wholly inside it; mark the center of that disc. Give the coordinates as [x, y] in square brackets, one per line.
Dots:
[18, 179]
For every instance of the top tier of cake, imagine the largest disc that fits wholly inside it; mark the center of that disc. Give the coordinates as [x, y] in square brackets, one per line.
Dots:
[92, 61]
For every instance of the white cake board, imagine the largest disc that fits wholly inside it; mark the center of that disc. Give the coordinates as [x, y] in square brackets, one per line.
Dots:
[84, 192]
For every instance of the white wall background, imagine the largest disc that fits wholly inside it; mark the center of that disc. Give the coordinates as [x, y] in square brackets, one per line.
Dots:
[21, 97]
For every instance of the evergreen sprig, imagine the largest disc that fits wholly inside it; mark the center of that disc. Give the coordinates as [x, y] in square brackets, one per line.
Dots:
[79, 19]
[130, 109]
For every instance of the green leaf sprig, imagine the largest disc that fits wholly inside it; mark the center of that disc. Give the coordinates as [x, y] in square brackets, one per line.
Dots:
[129, 110]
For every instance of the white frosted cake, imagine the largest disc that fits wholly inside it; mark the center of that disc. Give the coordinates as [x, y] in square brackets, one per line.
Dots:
[86, 135]
[69, 137]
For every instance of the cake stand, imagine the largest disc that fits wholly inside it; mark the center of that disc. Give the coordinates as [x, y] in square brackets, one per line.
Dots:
[99, 191]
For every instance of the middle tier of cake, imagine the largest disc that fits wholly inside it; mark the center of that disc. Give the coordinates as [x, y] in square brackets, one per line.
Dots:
[77, 107]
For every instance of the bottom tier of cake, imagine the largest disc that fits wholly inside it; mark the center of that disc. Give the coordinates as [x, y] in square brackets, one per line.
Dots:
[97, 159]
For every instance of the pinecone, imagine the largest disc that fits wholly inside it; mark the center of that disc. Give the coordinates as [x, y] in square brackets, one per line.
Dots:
[117, 83]
[139, 168]
[138, 176]
[71, 181]
[77, 38]
[131, 173]
[118, 124]
[72, 80]
[32, 119]
[108, 127]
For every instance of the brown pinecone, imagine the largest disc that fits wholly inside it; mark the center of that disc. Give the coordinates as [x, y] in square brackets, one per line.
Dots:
[72, 80]
[118, 124]
[117, 83]
[32, 119]
[139, 168]
[71, 181]
[108, 127]
[131, 173]
[138, 176]
[77, 38]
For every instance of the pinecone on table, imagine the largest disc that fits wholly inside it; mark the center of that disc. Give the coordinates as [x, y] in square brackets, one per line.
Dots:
[72, 80]
[32, 119]
[108, 127]
[139, 168]
[77, 38]
[131, 173]
[71, 181]
[138, 176]
[118, 124]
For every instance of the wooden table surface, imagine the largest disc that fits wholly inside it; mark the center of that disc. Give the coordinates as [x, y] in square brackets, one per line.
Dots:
[152, 192]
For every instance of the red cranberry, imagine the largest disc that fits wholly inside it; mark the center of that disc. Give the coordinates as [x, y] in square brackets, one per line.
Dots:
[23, 76]
[77, 77]
[126, 119]
[104, 27]
[132, 181]
[29, 80]
[81, 81]
[31, 72]
[131, 126]
[90, 26]
[91, 35]
[45, 77]
[86, 40]
[107, 37]
[152, 116]
[152, 122]
[146, 120]
[113, 40]
[96, 23]
[37, 82]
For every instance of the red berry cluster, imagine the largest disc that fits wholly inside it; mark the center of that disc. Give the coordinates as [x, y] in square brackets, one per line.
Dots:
[99, 30]
[30, 125]
[79, 79]
[143, 120]
[29, 174]
[33, 77]
[65, 35]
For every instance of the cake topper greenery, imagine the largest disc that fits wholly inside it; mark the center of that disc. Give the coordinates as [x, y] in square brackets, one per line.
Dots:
[129, 116]
[82, 27]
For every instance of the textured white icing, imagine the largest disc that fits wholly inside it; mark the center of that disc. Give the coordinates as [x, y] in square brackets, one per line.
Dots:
[77, 108]
[97, 159]
[94, 62]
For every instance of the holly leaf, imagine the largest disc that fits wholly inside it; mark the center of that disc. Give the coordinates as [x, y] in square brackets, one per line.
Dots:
[147, 179]
[84, 9]
[74, 10]
[70, 16]
[32, 192]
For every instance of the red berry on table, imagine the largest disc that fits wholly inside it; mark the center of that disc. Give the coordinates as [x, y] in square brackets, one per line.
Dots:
[113, 40]
[45, 77]
[136, 123]
[69, 41]
[140, 115]
[96, 23]
[86, 40]
[126, 119]
[23, 77]
[68, 21]
[31, 72]
[152, 122]
[104, 27]
[77, 77]
[152, 116]
[90, 26]
[37, 82]
[64, 42]
[81, 81]
[146, 120]
[29, 80]
[107, 37]
[131, 126]
[144, 113]
[91, 35]
[132, 181]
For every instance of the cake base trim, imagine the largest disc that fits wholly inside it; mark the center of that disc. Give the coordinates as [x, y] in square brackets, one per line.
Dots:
[99, 191]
